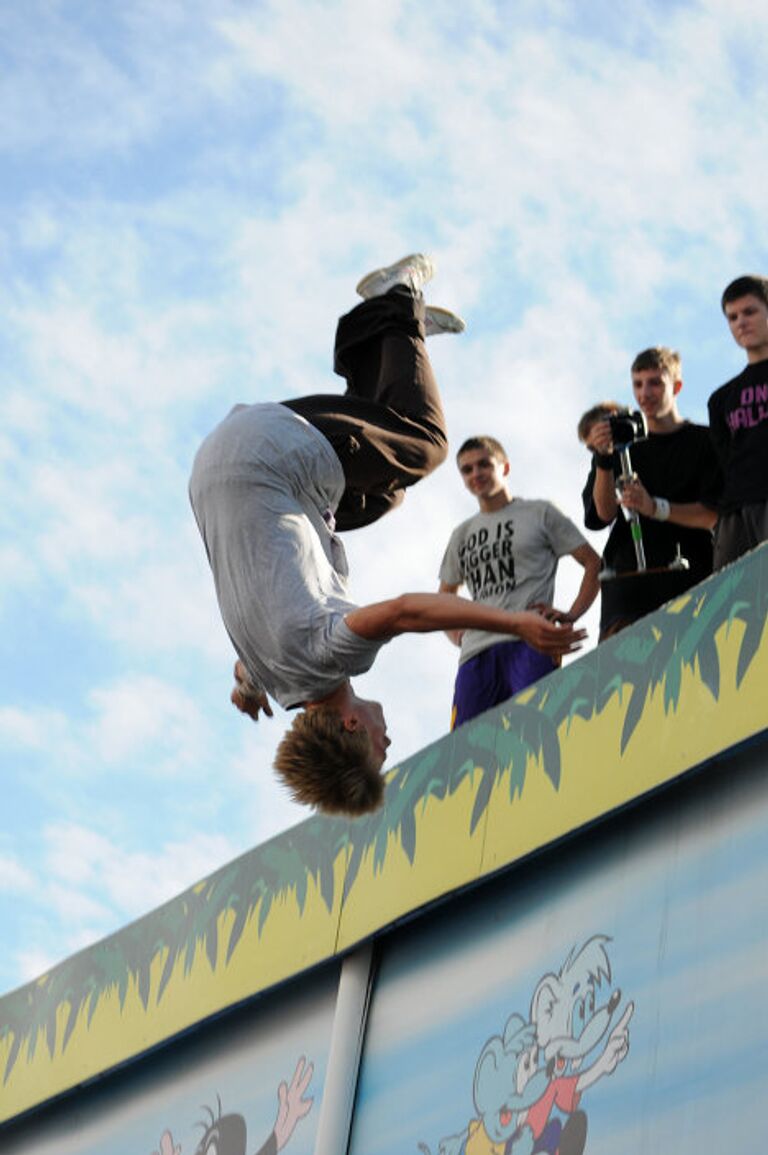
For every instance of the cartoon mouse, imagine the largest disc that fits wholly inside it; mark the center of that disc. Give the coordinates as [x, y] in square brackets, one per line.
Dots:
[569, 1026]
[506, 1083]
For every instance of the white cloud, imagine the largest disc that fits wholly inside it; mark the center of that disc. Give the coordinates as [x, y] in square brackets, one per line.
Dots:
[30, 964]
[84, 521]
[142, 717]
[97, 346]
[76, 87]
[32, 729]
[39, 228]
[363, 48]
[97, 885]
[18, 572]
[266, 808]
[75, 853]
[15, 878]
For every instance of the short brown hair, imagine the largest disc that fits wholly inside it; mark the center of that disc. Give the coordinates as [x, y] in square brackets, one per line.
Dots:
[751, 285]
[327, 766]
[597, 413]
[659, 357]
[489, 444]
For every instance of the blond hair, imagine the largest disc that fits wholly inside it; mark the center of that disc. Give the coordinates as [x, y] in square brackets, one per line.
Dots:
[327, 766]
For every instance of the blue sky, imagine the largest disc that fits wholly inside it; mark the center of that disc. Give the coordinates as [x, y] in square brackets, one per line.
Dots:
[190, 193]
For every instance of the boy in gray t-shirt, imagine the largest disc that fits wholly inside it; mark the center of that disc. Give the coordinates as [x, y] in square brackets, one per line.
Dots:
[506, 555]
[269, 488]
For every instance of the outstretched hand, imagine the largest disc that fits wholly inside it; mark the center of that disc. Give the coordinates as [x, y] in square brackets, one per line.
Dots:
[618, 1042]
[167, 1145]
[548, 637]
[246, 697]
[292, 1106]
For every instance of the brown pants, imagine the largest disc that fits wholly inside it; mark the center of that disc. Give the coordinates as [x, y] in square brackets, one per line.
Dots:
[388, 429]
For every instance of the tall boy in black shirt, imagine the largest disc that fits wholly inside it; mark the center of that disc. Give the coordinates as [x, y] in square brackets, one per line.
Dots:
[738, 421]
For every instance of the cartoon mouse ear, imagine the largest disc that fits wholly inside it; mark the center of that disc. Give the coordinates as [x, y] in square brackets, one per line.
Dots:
[544, 999]
[515, 1024]
[487, 1075]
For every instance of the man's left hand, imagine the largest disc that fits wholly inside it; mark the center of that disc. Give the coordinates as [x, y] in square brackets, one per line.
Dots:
[248, 699]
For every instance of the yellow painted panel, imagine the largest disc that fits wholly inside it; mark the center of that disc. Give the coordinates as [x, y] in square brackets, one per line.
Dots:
[116, 1032]
[446, 857]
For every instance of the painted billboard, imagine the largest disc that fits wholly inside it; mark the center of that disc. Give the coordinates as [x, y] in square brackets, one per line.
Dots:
[611, 1000]
[250, 1085]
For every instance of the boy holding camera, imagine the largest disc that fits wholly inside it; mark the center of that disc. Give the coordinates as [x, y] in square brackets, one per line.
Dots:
[674, 489]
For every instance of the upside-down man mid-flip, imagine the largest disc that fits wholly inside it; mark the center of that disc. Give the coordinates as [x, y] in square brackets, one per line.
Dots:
[270, 487]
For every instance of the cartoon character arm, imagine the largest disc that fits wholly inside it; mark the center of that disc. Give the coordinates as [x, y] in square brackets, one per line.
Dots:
[615, 1052]
[270, 1147]
[167, 1145]
[292, 1106]
[454, 1144]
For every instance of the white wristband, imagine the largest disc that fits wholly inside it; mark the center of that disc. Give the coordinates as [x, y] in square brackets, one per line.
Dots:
[661, 509]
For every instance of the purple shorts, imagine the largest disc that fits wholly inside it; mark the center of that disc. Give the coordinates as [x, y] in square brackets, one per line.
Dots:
[494, 675]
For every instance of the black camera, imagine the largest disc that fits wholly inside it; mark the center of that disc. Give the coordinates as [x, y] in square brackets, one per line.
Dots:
[627, 428]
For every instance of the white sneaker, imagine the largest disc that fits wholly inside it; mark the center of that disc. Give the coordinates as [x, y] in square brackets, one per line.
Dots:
[413, 271]
[437, 320]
